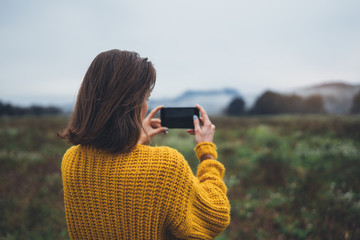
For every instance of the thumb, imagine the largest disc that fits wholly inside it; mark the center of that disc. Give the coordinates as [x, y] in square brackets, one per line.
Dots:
[159, 130]
[196, 123]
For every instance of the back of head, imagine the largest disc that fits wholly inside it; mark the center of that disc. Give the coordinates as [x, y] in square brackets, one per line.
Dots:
[107, 113]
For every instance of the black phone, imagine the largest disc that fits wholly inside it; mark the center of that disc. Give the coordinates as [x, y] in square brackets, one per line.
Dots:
[178, 117]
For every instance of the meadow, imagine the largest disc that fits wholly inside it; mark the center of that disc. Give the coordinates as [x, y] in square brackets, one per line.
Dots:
[288, 176]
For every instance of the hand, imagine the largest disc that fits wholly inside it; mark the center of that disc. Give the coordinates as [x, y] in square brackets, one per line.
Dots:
[203, 133]
[151, 127]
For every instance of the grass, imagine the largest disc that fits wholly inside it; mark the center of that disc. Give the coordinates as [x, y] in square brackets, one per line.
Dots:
[31, 203]
[288, 176]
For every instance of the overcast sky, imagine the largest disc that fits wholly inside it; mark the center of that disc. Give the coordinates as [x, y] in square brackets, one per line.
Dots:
[254, 45]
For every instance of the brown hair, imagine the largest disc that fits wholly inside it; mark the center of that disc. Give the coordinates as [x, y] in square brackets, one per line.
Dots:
[107, 113]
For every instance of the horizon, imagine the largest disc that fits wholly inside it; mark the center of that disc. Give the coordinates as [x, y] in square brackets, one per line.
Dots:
[249, 98]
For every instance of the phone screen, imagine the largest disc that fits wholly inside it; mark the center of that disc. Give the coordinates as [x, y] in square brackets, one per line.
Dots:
[177, 117]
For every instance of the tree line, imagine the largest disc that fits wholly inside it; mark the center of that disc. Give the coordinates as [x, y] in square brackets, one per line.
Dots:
[274, 103]
[7, 109]
[268, 103]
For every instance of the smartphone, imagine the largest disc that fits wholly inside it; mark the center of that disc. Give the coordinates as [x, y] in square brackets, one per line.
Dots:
[178, 117]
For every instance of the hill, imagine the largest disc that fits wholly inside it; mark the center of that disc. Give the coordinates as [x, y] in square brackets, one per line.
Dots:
[214, 101]
[337, 96]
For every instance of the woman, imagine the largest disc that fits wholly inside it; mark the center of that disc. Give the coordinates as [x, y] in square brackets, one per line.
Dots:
[115, 186]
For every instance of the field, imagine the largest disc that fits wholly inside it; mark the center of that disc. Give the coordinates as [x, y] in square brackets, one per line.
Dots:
[288, 177]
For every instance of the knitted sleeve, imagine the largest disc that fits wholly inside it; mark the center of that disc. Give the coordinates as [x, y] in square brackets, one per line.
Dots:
[201, 209]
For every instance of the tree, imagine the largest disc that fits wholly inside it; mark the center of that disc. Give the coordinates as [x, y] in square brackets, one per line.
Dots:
[268, 103]
[275, 103]
[236, 107]
[356, 104]
[7, 109]
[314, 104]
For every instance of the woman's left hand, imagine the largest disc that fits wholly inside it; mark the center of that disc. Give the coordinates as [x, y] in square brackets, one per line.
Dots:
[151, 126]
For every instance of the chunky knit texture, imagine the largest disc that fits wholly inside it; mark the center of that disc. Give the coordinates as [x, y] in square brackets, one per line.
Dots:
[206, 148]
[148, 193]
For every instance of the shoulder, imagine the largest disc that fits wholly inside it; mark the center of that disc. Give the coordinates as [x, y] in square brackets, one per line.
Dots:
[160, 151]
[71, 151]
[70, 155]
[166, 156]
[171, 166]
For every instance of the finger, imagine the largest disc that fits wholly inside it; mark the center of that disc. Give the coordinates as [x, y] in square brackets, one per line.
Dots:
[155, 125]
[155, 120]
[201, 120]
[203, 114]
[154, 111]
[159, 130]
[196, 123]
[191, 131]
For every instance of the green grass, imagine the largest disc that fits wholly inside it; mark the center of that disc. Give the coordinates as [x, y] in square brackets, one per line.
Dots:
[31, 202]
[288, 176]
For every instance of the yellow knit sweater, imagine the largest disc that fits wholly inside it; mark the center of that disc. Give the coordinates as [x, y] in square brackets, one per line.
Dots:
[148, 193]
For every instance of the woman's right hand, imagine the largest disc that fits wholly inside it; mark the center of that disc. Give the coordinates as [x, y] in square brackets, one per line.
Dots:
[204, 133]
[151, 126]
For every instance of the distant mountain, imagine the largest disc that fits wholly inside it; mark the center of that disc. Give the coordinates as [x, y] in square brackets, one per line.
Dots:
[214, 101]
[337, 96]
